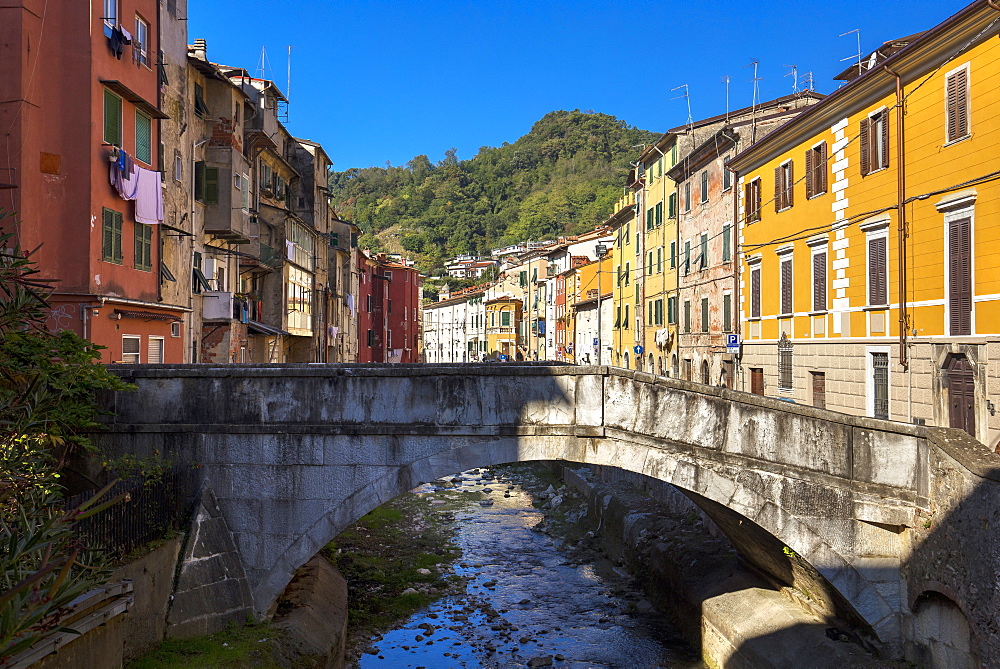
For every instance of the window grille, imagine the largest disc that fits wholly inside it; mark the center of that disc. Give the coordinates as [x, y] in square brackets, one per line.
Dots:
[784, 363]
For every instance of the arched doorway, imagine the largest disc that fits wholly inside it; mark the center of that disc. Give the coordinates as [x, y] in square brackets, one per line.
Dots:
[625, 359]
[659, 365]
[675, 366]
[960, 380]
[705, 373]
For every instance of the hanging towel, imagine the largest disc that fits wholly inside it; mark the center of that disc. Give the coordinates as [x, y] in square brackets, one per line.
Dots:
[148, 197]
[126, 186]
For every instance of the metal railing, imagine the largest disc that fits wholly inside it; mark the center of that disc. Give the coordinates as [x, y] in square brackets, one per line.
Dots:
[148, 510]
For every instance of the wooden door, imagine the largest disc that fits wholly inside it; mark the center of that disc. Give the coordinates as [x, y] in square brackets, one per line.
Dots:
[961, 393]
[757, 381]
[819, 389]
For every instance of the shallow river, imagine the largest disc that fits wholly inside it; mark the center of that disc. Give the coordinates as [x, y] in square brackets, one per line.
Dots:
[526, 600]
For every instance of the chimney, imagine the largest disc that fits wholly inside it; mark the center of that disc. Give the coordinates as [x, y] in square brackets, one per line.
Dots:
[199, 50]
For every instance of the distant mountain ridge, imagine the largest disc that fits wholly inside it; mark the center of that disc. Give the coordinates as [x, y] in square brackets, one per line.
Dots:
[564, 176]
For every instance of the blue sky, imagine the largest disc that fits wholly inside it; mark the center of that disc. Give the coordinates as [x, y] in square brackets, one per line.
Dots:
[377, 81]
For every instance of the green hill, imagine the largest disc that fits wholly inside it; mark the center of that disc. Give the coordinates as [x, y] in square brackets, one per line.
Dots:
[562, 177]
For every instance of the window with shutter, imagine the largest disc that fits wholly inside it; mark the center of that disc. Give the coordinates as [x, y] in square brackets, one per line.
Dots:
[649, 218]
[704, 314]
[211, 188]
[143, 247]
[816, 181]
[673, 255]
[779, 193]
[112, 118]
[960, 277]
[810, 168]
[727, 175]
[751, 202]
[143, 138]
[154, 348]
[131, 347]
[727, 242]
[878, 286]
[727, 313]
[704, 186]
[687, 316]
[864, 139]
[687, 196]
[704, 251]
[786, 286]
[199, 181]
[783, 186]
[957, 103]
[659, 213]
[111, 236]
[755, 292]
[819, 281]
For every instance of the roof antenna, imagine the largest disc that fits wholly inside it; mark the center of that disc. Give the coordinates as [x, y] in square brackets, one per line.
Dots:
[725, 80]
[794, 74]
[263, 65]
[857, 31]
[808, 83]
[288, 83]
[686, 96]
[755, 64]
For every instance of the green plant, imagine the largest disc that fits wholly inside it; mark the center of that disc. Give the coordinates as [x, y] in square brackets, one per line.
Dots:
[47, 384]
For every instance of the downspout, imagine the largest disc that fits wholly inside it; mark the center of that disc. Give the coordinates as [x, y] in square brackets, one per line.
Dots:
[737, 263]
[901, 229]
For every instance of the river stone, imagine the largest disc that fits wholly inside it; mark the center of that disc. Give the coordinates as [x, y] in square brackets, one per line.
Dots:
[423, 571]
[543, 661]
[486, 502]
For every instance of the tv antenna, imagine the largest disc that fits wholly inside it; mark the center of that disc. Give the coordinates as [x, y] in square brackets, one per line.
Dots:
[725, 80]
[263, 64]
[794, 74]
[856, 31]
[808, 83]
[686, 96]
[755, 64]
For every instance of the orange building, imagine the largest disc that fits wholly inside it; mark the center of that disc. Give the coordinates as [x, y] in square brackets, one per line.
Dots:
[869, 235]
[79, 84]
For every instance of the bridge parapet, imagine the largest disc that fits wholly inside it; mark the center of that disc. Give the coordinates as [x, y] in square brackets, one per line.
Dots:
[296, 453]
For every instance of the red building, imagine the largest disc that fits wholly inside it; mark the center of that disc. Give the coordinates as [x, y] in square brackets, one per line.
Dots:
[388, 309]
[79, 84]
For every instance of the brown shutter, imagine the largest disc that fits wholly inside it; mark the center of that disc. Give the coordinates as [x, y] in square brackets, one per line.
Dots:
[960, 277]
[778, 195]
[958, 105]
[786, 286]
[790, 184]
[810, 168]
[819, 282]
[821, 170]
[755, 293]
[865, 137]
[877, 287]
[885, 138]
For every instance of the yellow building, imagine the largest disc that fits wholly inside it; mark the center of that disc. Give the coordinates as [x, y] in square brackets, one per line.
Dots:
[503, 320]
[627, 274]
[659, 231]
[869, 236]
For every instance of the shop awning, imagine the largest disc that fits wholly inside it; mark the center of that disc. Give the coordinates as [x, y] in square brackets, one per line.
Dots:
[147, 315]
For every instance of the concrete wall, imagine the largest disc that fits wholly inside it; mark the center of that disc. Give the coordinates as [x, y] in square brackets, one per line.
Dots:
[297, 453]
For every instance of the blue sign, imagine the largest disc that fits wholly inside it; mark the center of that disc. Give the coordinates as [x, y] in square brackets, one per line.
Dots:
[503, 358]
[637, 349]
[732, 343]
[595, 341]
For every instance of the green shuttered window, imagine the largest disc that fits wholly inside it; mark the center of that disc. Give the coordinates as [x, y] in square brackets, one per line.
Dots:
[143, 247]
[112, 236]
[143, 138]
[112, 118]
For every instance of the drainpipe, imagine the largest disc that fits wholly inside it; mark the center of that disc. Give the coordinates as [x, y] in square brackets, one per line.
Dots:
[737, 256]
[901, 223]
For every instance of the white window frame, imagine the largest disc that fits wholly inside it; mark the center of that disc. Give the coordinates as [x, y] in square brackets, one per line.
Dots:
[785, 186]
[875, 150]
[951, 214]
[870, 380]
[137, 354]
[110, 17]
[968, 98]
[142, 53]
[878, 230]
[149, 342]
[175, 329]
[815, 249]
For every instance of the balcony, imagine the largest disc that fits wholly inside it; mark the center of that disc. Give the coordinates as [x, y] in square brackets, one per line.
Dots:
[223, 186]
[503, 330]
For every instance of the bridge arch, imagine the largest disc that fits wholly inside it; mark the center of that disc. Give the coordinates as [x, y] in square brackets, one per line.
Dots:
[296, 453]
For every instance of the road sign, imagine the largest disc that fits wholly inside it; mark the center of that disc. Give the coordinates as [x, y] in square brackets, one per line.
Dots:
[732, 343]
[637, 349]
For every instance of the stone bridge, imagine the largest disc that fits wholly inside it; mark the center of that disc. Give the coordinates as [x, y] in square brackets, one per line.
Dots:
[889, 514]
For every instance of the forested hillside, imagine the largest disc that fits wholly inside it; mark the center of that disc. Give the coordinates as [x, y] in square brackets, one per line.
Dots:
[562, 177]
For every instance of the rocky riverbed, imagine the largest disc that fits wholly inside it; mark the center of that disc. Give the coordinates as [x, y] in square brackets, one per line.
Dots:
[515, 581]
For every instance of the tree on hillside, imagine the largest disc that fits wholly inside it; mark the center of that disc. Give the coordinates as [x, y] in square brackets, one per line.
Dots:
[562, 177]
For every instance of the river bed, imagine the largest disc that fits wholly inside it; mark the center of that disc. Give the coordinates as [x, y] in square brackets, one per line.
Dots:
[529, 599]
